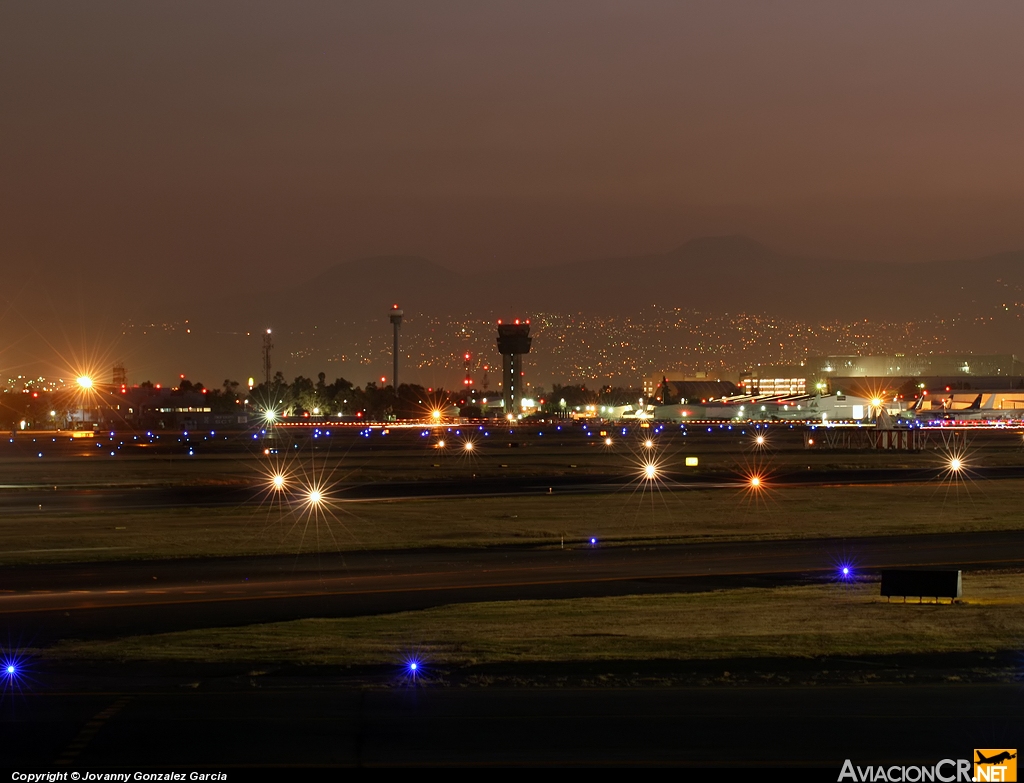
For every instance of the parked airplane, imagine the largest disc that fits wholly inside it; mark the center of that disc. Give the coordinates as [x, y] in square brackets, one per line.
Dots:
[976, 411]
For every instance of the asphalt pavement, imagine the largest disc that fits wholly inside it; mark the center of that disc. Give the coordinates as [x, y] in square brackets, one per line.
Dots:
[96, 600]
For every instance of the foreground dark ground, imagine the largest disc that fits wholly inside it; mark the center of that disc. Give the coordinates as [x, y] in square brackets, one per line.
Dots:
[121, 719]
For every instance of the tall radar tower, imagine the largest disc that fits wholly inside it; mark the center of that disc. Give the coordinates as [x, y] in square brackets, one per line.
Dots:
[268, 344]
[396, 322]
[513, 341]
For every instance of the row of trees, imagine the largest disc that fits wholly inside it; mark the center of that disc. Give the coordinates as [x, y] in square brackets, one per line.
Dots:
[320, 398]
[299, 397]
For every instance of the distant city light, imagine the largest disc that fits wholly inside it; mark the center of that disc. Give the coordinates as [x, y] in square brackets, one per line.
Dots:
[85, 381]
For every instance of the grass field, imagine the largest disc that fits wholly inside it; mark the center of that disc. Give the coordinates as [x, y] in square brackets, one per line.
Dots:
[644, 514]
[784, 622]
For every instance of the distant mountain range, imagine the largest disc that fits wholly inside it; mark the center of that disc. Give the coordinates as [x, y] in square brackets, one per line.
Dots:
[714, 274]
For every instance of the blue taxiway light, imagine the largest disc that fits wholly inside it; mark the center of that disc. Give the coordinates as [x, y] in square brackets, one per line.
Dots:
[12, 669]
[845, 572]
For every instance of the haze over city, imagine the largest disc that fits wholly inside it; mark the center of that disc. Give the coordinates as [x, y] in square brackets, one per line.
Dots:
[212, 164]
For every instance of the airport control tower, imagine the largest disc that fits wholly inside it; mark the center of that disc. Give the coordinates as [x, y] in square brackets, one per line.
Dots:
[513, 341]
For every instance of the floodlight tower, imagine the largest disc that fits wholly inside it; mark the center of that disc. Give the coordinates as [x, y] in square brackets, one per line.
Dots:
[513, 341]
[396, 321]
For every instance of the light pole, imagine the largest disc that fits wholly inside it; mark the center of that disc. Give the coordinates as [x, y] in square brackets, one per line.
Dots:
[85, 385]
[396, 322]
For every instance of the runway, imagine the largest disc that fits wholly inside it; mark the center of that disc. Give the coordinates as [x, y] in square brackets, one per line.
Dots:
[109, 599]
[72, 498]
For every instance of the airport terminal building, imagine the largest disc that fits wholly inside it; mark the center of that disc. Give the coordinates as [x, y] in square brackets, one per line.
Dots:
[829, 373]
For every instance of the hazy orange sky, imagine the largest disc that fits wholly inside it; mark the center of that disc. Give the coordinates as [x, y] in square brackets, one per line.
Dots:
[207, 138]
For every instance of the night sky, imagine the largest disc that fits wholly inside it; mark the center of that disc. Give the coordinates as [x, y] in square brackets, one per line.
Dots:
[227, 146]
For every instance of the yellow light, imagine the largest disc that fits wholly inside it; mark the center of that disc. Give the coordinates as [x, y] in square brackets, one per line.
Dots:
[435, 414]
[955, 464]
[315, 497]
[468, 446]
[270, 415]
[759, 440]
[607, 441]
[440, 444]
[85, 381]
[649, 444]
[877, 402]
[755, 482]
[278, 481]
[650, 470]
